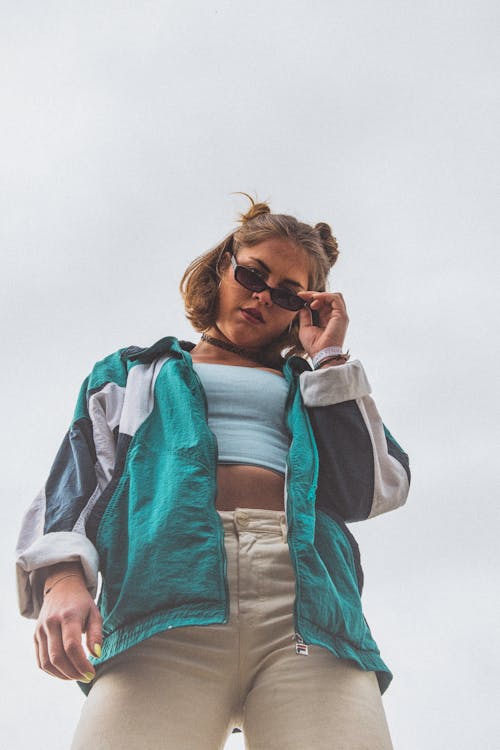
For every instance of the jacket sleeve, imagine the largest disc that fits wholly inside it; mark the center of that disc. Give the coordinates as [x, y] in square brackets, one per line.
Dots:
[363, 471]
[53, 528]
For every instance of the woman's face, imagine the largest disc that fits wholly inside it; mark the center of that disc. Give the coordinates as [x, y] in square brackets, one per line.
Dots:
[281, 264]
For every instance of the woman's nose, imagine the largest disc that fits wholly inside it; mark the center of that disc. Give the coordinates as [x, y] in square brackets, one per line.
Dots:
[264, 296]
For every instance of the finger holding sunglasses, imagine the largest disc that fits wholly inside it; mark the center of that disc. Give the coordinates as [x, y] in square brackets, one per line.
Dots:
[333, 321]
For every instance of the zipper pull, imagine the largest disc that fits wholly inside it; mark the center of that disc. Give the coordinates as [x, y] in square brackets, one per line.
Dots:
[300, 646]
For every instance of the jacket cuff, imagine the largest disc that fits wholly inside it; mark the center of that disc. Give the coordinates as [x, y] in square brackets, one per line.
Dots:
[331, 385]
[50, 549]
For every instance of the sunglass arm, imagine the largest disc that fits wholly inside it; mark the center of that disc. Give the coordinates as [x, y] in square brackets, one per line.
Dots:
[314, 316]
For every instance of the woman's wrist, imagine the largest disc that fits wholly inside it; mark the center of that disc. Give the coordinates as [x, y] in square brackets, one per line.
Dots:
[58, 570]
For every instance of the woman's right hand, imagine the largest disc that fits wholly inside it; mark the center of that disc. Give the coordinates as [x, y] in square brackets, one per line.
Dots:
[67, 612]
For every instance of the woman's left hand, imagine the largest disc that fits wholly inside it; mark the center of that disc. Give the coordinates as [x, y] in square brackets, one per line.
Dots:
[333, 321]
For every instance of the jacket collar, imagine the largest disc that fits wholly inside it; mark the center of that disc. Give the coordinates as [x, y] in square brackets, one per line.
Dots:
[292, 367]
[148, 354]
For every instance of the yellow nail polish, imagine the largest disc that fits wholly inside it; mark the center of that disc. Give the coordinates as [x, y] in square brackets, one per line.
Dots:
[88, 677]
[97, 650]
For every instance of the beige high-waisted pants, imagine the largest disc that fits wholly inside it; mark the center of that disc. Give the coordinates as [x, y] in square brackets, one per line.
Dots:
[188, 687]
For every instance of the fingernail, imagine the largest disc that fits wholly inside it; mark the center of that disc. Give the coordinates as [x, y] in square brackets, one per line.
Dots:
[88, 677]
[97, 650]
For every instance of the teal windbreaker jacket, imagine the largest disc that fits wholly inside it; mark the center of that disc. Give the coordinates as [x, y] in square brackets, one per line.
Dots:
[131, 495]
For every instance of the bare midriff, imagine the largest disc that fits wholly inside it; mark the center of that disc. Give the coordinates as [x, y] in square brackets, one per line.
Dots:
[243, 486]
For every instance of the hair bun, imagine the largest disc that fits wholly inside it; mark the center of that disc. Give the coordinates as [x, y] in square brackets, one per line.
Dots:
[330, 243]
[256, 209]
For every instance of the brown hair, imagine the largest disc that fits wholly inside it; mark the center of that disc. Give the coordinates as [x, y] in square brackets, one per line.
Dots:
[200, 282]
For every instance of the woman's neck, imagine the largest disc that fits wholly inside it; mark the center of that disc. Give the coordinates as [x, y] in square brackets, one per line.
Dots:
[209, 353]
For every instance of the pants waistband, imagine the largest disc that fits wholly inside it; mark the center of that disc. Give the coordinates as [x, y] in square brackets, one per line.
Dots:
[256, 520]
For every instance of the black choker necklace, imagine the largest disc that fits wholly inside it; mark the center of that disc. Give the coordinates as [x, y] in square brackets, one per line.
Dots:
[231, 348]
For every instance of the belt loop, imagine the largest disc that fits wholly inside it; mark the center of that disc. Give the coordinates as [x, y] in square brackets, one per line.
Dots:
[284, 529]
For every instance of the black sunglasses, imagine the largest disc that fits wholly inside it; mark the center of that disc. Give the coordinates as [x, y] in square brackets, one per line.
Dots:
[252, 280]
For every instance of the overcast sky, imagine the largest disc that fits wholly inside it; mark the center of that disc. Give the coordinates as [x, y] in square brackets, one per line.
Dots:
[125, 128]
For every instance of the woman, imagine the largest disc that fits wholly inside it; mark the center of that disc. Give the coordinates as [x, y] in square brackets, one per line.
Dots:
[210, 484]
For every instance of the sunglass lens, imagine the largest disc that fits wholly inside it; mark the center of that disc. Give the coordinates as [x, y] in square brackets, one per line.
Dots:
[249, 279]
[288, 300]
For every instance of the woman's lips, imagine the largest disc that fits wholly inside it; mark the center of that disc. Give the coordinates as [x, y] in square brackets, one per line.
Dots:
[251, 318]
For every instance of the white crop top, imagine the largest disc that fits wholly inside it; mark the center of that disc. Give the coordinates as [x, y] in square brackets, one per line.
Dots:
[246, 413]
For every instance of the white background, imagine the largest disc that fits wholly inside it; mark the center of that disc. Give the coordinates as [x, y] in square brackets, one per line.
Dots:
[125, 127]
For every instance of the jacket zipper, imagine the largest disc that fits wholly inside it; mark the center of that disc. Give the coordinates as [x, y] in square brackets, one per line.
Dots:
[300, 645]
[215, 447]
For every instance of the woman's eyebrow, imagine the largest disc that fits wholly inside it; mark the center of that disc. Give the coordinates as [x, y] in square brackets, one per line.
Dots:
[285, 281]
